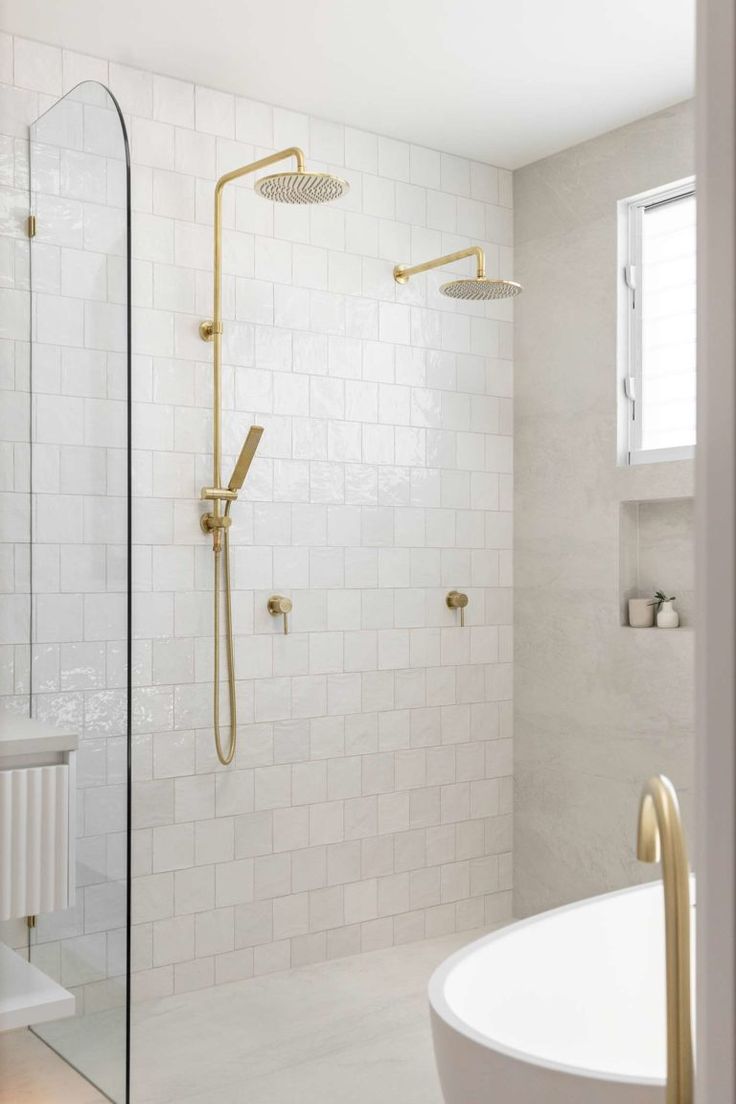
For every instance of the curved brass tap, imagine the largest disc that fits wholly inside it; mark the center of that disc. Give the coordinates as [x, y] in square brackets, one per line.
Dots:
[660, 838]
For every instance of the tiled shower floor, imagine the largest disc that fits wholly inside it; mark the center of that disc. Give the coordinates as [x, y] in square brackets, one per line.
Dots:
[353, 1029]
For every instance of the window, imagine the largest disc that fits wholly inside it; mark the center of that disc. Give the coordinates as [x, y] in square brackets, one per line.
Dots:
[657, 325]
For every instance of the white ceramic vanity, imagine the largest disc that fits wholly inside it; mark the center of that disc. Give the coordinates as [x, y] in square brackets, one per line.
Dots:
[37, 786]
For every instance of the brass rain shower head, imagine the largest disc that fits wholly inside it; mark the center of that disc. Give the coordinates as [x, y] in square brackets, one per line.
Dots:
[294, 185]
[478, 287]
[301, 187]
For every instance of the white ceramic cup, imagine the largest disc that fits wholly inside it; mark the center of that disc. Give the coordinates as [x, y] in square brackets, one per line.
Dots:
[641, 613]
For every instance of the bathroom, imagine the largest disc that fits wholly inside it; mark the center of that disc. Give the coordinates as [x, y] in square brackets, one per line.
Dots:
[369, 400]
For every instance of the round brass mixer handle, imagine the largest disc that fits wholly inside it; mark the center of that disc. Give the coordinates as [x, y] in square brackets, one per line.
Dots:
[278, 605]
[457, 600]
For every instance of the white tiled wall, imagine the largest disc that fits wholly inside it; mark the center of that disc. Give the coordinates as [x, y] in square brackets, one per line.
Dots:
[369, 802]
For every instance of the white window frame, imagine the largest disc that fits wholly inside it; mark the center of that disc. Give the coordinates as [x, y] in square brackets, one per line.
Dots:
[630, 212]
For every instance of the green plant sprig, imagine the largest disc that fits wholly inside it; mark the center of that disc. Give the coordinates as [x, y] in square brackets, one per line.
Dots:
[659, 598]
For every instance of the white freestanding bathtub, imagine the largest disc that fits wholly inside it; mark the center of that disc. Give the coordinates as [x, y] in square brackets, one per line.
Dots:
[567, 1007]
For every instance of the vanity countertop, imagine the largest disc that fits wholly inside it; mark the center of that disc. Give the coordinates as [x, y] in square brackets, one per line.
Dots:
[27, 736]
[28, 996]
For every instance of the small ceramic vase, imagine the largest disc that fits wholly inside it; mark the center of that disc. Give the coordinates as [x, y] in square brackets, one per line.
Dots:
[667, 616]
[641, 613]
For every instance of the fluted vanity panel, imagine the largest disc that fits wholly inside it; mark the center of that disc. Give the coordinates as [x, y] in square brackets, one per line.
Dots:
[34, 841]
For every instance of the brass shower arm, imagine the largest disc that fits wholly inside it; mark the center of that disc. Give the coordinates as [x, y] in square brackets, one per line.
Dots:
[402, 273]
[212, 329]
[254, 166]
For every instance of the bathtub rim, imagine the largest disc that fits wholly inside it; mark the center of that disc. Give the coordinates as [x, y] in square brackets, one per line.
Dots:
[441, 1008]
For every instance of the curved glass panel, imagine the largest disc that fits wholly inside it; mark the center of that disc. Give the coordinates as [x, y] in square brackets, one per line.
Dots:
[80, 552]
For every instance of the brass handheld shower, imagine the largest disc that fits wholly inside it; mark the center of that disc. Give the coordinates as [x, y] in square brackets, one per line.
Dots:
[248, 451]
[219, 526]
[294, 186]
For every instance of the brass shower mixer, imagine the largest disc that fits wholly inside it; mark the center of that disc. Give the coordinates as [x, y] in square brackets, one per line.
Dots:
[279, 606]
[457, 600]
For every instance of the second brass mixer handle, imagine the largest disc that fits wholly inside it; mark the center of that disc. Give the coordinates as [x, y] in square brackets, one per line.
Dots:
[457, 600]
[278, 605]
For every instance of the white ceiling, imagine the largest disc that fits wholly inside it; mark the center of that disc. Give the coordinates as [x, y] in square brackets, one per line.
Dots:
[504, 81]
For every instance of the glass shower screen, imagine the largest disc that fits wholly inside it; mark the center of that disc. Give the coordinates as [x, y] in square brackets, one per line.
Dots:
[80, 552]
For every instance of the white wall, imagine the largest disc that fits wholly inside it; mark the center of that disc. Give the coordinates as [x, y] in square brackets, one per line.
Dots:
[599, 707]
[370, 799]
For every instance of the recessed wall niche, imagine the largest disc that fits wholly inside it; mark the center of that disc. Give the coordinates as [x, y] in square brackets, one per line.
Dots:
[657, 553]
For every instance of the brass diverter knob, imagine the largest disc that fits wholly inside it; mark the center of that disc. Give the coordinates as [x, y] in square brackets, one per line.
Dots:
[207, 330]
[279, 606]
[457, 600]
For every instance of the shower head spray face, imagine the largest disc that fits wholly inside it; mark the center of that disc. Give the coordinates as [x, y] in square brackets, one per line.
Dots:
[302, 187]
[480, 288]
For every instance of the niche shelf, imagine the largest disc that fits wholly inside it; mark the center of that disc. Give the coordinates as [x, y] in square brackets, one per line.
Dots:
[656, 552]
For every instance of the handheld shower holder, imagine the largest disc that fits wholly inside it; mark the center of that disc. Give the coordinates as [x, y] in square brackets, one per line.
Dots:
[212, 523]
[218, 494]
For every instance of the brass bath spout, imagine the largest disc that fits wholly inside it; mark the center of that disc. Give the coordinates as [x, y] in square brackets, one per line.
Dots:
[660, 838]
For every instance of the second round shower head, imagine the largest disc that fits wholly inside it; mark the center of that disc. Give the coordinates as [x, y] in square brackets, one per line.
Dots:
[300, 186]
[480, 288]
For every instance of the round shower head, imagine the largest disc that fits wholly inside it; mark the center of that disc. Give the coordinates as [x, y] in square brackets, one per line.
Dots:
[480, 287]
[302, 187]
